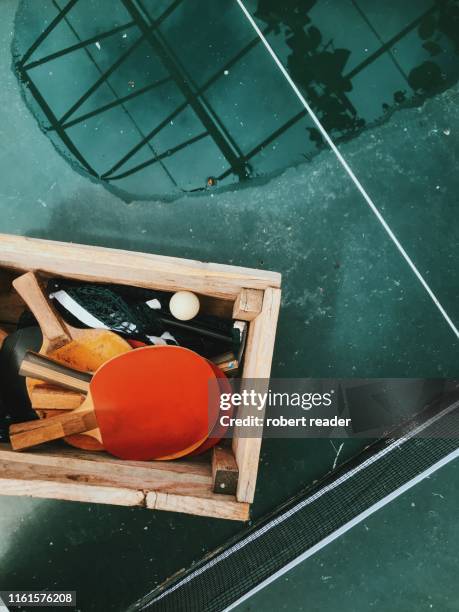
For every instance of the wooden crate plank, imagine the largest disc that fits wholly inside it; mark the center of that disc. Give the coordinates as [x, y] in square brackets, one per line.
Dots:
[56, 477]
[187, 504]
[214, 506]
[71, 492]
[259, 353]
[129, 268]
[101, 470]
[56, 451]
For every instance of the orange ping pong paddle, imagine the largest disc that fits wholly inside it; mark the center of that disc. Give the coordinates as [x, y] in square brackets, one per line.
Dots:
[148, 404]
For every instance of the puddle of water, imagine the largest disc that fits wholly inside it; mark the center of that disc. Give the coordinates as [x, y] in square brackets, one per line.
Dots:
[160, 98]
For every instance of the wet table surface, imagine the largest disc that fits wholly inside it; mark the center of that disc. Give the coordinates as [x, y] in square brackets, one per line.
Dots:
[383, 80]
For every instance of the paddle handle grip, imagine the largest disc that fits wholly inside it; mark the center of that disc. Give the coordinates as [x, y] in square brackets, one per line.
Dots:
[51, 371]
[50, 323]
[50, 397]
[32, 433]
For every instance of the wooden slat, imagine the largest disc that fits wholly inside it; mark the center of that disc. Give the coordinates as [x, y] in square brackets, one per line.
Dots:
[259, 353]
[178, 487]
[217, 506]
[127, 268]
[49, 489]
[99, 468]
[53, 453]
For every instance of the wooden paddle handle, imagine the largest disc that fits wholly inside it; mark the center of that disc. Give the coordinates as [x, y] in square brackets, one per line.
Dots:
[54, 372]
[29, 425]
[49, 397]
[23, 435]
[50, 323]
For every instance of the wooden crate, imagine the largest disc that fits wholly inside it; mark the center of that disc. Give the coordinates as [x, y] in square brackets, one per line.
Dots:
[190, 486]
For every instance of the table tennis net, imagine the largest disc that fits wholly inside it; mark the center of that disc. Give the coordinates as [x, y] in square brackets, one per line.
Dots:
[315, 517]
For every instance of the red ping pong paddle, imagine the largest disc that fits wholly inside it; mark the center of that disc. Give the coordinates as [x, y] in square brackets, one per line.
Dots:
[219, 429]
[148, 403]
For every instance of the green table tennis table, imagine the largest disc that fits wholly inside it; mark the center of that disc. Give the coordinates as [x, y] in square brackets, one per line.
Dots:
[112, 125]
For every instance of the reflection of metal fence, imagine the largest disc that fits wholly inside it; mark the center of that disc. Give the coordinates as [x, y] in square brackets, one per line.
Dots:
[212, 126]
[319, 66]
[150, 32]
[316, 63]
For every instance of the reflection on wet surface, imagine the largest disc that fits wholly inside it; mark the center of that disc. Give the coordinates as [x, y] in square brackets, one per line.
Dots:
[161, 98]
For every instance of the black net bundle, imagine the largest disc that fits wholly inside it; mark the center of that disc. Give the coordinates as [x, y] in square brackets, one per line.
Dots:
[144, 315]
[129, 317]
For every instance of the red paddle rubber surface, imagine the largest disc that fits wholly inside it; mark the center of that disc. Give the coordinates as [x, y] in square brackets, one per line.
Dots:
[218, 430]
[153, 402]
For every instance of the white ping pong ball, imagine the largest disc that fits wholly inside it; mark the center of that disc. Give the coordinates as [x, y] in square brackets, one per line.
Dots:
[184, 305]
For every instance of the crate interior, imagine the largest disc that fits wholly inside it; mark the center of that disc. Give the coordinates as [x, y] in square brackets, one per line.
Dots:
[140, 481]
